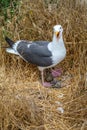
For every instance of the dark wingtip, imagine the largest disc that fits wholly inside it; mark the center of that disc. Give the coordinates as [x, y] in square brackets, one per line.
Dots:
[9, 41]
[6, 37]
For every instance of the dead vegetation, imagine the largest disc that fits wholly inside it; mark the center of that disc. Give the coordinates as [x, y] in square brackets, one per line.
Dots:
[24, 103]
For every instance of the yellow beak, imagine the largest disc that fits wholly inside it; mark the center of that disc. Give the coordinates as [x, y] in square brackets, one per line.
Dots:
[57, 34]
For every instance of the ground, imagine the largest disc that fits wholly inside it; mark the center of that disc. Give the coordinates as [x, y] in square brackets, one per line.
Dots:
[24, 103]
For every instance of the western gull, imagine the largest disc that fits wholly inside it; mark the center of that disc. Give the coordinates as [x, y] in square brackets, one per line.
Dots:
[44, 54]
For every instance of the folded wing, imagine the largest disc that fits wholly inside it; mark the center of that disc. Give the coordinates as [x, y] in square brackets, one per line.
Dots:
[35, 52]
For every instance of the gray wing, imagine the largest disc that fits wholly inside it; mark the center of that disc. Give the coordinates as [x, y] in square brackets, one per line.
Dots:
[42, 43]
[36, 53]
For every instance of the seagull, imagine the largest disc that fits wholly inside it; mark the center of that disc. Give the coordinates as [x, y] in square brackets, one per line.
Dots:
[44, 54]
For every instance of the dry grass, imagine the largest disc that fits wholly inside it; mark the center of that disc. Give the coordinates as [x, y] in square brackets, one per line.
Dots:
[24, 103]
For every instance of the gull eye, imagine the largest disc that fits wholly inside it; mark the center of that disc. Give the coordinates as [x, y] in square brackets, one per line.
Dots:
[60, 27]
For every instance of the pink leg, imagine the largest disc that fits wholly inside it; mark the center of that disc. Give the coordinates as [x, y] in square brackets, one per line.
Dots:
[56, 73]
[45, 84]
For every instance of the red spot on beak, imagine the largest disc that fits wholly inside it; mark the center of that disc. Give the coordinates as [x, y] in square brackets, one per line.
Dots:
[57, 34]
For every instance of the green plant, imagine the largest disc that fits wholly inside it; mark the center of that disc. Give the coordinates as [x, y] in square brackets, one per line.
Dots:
[7, 8]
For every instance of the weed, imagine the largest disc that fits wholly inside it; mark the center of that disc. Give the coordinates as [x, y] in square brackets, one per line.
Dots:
[8, 7]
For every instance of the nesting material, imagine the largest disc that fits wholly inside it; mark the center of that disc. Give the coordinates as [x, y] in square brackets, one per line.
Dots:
[24, 103]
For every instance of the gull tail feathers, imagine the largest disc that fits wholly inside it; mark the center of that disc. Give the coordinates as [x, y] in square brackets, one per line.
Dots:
[12, 51]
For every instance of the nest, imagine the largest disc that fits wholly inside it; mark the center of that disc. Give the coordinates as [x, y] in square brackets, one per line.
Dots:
[24, 103]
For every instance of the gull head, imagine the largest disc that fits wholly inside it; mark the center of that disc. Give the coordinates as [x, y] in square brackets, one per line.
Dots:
[58, 31]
